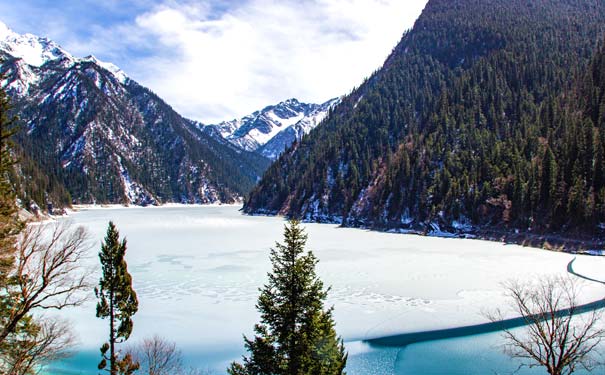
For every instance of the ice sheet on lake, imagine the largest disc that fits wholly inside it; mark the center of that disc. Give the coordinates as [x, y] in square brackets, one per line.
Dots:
[197, 272]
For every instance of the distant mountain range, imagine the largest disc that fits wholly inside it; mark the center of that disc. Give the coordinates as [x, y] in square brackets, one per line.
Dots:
[91, 134]
[273, 129]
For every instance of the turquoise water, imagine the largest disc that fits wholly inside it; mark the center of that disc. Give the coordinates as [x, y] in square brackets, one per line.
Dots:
[475, 355]
[197, 271]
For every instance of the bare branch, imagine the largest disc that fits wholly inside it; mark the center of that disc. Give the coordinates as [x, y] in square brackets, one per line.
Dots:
[556, 336]
[158, 356]
[49, 271]
[40, 344]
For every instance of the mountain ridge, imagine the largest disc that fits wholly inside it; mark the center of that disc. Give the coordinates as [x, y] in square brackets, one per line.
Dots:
[274, 128]
[45, 82]
[91, 134]
[463, 127]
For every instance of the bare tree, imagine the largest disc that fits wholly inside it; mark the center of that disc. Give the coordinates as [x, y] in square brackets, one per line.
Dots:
[48, 273]
[158, 356]
[558, 335]
[26, 353]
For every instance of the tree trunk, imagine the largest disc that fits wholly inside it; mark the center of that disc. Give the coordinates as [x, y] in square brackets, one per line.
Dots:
[112, 358]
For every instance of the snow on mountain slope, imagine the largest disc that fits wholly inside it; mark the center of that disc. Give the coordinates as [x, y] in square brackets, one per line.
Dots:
[23, 75]
[35, 51]
[286, 136]
[267, 132]
[104, 138]
[117, 72]
[274, 128]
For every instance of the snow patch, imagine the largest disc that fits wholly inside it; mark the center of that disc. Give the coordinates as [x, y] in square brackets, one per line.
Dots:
[32, 49]
[406, 219]
[113, 69]
[462, 224]
[134, 192]
[24, 78]
[74, 151]
[436, 231]
[274, 128]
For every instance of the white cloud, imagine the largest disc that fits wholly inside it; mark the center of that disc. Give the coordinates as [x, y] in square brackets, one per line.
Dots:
[216, 60]
[214, 67]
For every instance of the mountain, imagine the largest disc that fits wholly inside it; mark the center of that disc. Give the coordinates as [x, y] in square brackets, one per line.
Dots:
[474, 123]
[89, 134]
[273, 129]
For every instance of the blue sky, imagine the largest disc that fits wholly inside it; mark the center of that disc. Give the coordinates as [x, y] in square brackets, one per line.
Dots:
[217, 60]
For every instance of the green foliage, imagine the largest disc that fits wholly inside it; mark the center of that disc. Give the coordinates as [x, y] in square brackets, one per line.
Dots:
[488, 112]
[296, 334]
[117, 302]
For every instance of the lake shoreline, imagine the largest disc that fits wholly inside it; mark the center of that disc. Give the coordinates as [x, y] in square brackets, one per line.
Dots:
[80, 207]
[545, 241]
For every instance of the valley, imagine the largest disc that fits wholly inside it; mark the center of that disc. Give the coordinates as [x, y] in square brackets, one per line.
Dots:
[440, 213]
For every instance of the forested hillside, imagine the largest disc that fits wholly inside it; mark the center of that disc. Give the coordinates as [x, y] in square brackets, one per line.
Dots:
[487, 114]
[85, 137]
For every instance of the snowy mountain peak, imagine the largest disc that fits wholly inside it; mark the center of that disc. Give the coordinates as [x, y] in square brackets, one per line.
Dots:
[272, 129]
[113, 69]
[5, 31]
[33, 50]
[293, 102]
[92, 138]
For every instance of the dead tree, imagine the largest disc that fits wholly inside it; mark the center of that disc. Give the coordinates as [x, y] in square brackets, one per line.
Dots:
[158, 356]
[558, 335]
[48, 273]
[45, 341]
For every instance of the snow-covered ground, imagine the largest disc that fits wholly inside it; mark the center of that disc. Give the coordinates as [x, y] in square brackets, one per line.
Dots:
[197, 271]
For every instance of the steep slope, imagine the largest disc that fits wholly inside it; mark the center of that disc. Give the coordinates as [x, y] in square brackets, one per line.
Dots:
[271, 130]
[104, 138]
[467, 126]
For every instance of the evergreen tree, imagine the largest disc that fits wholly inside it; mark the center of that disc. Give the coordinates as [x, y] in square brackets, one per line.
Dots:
[10, 225]
[117, 302]
[39, 270]
[549, 177]
[296, 334]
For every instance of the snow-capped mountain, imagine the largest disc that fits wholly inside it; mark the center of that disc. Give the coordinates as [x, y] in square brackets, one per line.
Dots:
[91, 134]
[274, 128]
[34, 52]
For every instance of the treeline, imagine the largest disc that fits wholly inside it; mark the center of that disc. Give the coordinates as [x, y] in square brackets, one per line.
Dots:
[487, 113]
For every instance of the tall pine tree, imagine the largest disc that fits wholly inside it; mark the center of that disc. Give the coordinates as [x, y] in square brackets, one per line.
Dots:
[12, 333]
[117, 302]
[296, 334]
[10, 225]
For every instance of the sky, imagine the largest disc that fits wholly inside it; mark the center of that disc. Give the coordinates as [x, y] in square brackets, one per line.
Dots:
[218, 60]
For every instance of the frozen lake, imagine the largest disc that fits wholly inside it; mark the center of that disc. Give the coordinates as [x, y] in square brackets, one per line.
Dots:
[197, 271]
